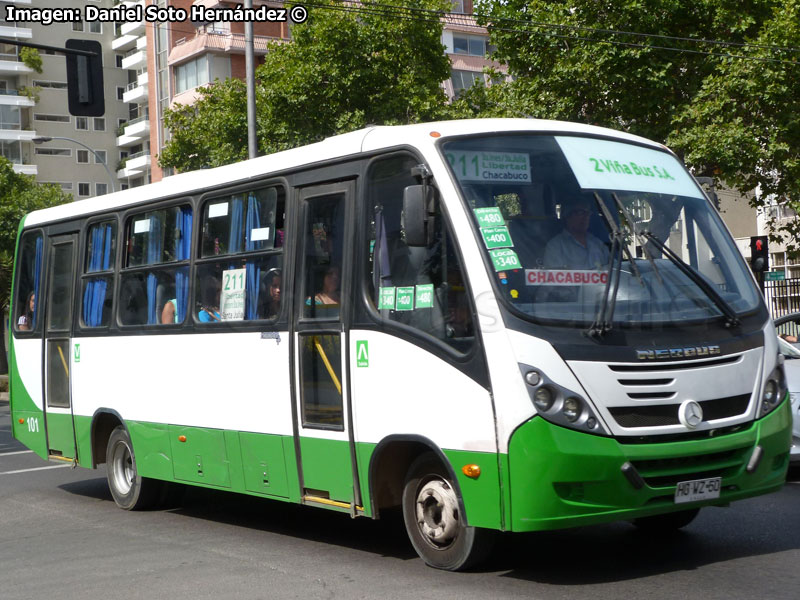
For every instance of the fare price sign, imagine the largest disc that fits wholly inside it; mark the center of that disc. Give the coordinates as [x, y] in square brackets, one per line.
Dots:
[405, 298]
[489, 217]
[505, 259]
[496, 237]
[386, 298]
[424, 296]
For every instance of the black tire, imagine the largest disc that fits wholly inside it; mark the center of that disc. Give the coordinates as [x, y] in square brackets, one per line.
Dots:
[667, 522]
[130, 490]
[433, 519]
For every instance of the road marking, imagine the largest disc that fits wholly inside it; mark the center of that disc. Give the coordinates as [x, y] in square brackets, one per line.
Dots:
[20, 452]
[36, 469]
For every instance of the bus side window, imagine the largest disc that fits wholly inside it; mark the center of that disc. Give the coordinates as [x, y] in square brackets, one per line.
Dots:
[98, 280]
[155, 283]
[421, 287]
[28, 305]
[238, 275]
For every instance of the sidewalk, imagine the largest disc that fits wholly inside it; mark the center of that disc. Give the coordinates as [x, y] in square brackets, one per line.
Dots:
[4, 395]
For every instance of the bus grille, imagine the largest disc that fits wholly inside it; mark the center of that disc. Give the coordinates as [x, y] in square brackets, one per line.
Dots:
[660, 415]
[666, 472]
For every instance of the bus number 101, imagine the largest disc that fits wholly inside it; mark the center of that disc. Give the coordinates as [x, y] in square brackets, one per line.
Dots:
[33, 424]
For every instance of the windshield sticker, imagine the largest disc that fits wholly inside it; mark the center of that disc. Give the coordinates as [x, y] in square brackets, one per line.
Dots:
[489, 217]
[564, 277]
[405, 298]
[604, 165]
[504, 259]
[424, 296]
[490, 167]
[496, 237]
[386, 299]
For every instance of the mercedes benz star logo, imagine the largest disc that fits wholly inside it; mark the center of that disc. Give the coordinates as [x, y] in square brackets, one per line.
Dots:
[690, 414]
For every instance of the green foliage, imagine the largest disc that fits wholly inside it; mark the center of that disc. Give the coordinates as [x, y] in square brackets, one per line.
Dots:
[19, 195]
[731, 118]
[31, 58]
[341, 71]
[744, 126]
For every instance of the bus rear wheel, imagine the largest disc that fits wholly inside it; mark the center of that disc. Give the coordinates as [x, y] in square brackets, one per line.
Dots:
[434, 522]
[130, 490]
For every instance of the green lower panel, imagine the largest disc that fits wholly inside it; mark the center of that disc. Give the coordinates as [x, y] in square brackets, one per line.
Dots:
[481, 496]
[327, 468]
[200, 455]
[263, 464]
[61, 435]
[563, 478]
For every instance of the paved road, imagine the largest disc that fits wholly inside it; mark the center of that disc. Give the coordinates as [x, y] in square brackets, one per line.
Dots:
[61, 537]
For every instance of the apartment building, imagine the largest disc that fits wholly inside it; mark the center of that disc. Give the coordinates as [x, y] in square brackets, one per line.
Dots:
[34, 105]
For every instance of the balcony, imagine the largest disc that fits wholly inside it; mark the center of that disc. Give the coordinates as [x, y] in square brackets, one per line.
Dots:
[13, 32]
[123, 42]
[10, 132]
[10, 65]
[135, 164]
[25, 169]
[135, 28]
[136, 92]
[134, 132]
[135, 59]
[14, 98]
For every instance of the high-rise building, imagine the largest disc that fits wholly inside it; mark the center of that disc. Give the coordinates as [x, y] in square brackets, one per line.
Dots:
[34, 105]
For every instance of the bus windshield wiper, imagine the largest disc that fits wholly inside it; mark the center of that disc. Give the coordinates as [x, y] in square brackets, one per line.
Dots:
[731, 319]
[605, 312]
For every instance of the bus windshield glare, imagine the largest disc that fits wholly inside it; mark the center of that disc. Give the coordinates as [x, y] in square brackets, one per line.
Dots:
[573, 225]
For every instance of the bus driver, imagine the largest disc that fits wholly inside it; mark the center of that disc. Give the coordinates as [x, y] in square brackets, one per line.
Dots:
[576, 247]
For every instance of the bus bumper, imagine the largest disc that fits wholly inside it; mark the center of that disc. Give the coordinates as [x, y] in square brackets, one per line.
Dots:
[563, 478]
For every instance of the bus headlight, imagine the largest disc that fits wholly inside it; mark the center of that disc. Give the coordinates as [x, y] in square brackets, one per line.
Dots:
[543, 399]
[560, 405]
[571, 409]
[774, 391]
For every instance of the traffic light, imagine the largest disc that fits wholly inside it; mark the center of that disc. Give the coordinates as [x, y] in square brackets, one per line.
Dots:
[759, 253]
[85, 79]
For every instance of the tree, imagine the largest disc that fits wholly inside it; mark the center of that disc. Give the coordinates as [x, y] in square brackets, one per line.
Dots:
[19, 195]
[727, 114]
[744, 126]
[346, 67]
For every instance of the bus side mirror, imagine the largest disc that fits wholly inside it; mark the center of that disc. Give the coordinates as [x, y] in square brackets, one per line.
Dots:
[418, 214]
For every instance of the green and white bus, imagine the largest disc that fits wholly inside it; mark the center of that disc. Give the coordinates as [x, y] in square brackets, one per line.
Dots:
[497, 325]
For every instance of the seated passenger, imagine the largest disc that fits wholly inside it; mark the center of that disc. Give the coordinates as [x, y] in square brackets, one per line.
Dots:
[330, 287]
[209, 301]
[576, 247]
[25, 322]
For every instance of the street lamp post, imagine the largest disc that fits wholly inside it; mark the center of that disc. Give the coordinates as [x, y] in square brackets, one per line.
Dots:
[42, 139]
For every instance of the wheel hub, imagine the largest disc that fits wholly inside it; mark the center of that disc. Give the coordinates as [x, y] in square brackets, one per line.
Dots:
[437, 513]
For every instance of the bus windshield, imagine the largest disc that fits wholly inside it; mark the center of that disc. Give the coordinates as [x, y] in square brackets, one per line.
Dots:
[574, 225]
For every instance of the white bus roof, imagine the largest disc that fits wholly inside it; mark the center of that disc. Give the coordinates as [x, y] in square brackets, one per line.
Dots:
[348, 144]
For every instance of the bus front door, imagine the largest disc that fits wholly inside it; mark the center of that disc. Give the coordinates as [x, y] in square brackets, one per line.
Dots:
[323, 427]
[58, 324]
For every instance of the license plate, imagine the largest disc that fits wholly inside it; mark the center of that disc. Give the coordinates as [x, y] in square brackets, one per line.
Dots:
[697, 490]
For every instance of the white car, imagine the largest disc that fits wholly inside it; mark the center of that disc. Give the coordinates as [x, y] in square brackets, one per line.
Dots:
[791, 367]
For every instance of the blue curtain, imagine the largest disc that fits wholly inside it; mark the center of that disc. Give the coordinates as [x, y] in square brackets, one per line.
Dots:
[253, 272]
[183, 252]
[92, 298]
[154, 251]
[235, 234]
[37, 271]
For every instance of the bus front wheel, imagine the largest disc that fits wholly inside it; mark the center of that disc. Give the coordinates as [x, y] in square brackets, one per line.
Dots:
[434, 522]
[130, 490]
